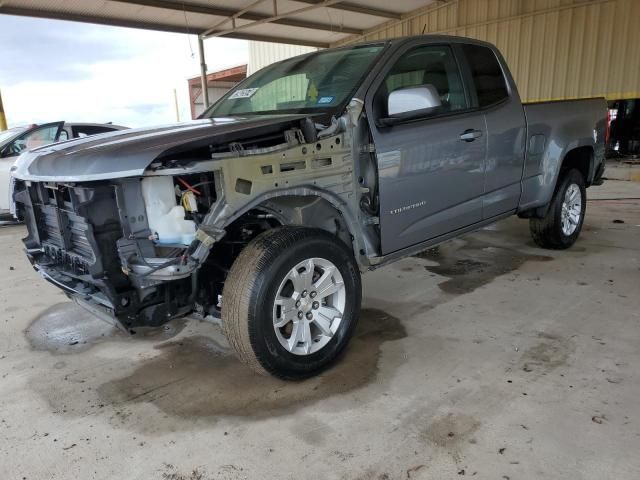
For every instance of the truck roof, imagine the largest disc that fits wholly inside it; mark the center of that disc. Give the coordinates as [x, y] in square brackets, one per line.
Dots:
[430, 38]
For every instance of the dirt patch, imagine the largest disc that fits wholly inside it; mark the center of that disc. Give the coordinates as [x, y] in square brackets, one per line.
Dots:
[171, 473]
[66, 328]
[197, 377]
[451, 432]
[314, 432]
[551, 352]
[471, 263]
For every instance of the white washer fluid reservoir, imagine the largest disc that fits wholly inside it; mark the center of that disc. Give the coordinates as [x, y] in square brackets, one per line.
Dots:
[165, 216]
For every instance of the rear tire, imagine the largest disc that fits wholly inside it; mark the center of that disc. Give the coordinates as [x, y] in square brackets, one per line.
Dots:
[291, 301]
[561, 226]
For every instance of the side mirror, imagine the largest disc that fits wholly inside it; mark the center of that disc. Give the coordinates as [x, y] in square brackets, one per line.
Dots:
[408, 104]
[410, 99]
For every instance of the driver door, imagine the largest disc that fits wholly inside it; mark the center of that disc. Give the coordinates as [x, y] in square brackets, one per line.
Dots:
[431, 166]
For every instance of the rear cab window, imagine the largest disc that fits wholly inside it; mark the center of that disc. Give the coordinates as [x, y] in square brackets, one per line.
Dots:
[486, 73]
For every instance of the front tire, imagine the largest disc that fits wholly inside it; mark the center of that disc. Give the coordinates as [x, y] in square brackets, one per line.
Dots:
[291, 301]
[561, 226]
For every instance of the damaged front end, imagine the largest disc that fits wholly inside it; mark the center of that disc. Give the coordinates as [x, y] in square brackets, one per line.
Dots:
[136, 248]
[94, 241]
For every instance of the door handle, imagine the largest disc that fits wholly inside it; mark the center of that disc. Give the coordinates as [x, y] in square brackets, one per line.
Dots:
[470, 135]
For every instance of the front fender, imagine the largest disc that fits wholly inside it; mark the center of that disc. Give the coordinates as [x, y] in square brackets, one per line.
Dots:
[279, 201]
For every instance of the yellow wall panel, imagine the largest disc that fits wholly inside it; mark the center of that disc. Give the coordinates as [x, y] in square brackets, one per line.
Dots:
[555, 48]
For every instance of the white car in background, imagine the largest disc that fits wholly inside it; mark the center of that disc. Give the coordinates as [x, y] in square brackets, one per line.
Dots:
[15, 140]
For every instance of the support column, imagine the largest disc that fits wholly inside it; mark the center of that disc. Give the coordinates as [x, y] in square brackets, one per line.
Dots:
[3, 119]
[203, 73]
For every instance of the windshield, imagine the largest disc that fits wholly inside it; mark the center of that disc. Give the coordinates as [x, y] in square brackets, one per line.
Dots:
[309, 84]
[12, 132]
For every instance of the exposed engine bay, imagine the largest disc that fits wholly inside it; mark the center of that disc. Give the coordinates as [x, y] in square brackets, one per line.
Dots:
[148, 248]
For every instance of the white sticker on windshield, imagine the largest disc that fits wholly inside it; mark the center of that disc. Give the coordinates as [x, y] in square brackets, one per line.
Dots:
[243, 93]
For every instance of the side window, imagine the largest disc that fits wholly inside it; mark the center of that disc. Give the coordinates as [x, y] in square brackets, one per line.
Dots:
[63, 135]
[487, 75]
[433, 66]
[35, 138]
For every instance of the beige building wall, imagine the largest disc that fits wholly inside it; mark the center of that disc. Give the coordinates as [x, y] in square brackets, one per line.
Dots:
[556, 49]
[262, 54]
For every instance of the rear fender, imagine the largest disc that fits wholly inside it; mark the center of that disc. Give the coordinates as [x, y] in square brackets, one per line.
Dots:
[579, 155]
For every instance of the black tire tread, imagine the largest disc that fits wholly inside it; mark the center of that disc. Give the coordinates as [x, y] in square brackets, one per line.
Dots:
[546, 232]
[238, 286]
[542, 231]
[245, 276]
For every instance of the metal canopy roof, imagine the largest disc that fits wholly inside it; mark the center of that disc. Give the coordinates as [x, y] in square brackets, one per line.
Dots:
[317, 23]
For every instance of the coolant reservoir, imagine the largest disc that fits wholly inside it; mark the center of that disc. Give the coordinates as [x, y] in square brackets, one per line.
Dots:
[166, 218]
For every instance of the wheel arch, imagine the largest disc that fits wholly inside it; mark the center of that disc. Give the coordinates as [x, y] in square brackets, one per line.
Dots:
[306, 206]
[582, 159]
[576, 156]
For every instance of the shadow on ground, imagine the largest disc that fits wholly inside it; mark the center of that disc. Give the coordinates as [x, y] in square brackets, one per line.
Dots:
[198, 377]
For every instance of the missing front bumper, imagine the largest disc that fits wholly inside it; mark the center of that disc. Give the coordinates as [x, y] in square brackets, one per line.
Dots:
[103, 313]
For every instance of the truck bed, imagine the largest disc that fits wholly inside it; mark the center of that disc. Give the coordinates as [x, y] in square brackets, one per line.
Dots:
[569, 124]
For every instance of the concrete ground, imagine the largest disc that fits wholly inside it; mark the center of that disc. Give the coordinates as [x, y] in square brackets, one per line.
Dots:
[487, 358]
[627, 168]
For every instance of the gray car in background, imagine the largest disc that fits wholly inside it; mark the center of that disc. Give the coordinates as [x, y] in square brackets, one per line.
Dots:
[267, 209]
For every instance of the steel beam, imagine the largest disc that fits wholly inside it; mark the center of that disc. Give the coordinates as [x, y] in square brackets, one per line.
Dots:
[162, 27]
[203, 73]
[113, 22]
[213, 32]
[3, 118]
[352, 7]
[239, 14]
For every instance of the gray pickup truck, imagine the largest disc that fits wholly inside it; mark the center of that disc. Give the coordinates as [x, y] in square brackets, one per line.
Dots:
[265, 211]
